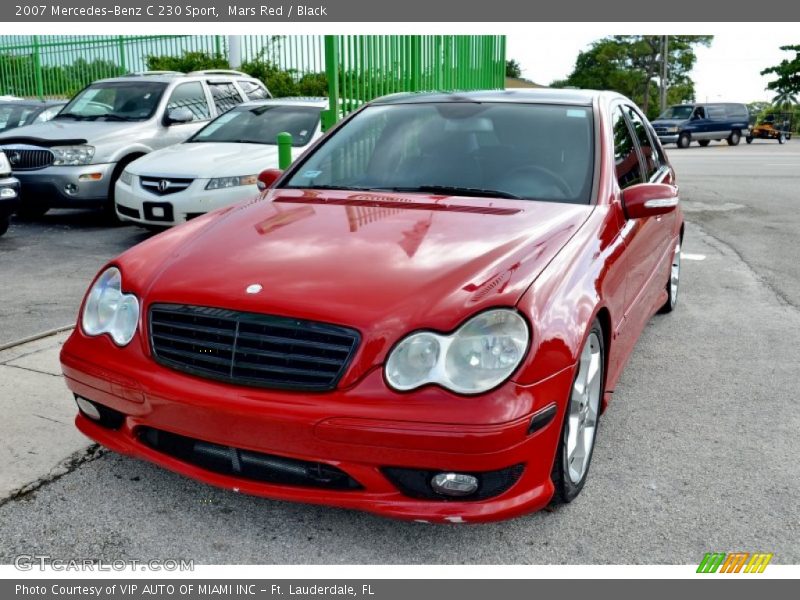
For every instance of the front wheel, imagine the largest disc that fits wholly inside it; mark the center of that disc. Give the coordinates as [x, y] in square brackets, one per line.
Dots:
[674, 281]
[571, 465]
[684, 140]
[4, 223]
[734, 138]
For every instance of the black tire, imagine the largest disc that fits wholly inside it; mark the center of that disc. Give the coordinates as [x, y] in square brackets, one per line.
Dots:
[749, 139]
[734, 138]
[109, 207]
[781, 139]
[704, 143]
[4, 223]
[672, 297]
[565, 489]
[684, 140]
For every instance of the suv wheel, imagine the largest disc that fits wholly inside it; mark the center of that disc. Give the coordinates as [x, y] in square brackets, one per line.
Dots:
[734, 138]
[684, 140]
[110, 208]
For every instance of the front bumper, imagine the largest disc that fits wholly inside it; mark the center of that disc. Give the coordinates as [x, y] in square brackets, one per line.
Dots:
[360, 430]
[668, 138]
[53, 186]
[9, 196]
[140, 206]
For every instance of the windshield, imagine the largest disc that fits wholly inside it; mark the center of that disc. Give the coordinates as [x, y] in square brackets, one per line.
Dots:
[115, 101]
[524, 151]
[262, 124]
[677, 112]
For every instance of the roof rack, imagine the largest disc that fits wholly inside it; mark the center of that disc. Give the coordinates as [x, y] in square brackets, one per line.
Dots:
[219, 72]
[151, 73]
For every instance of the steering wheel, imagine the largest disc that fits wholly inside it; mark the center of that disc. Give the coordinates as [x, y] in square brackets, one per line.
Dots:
[554, 179]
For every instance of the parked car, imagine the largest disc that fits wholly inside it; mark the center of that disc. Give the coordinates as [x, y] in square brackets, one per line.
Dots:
[74, 160]
[18, 113]
[683, 124]
[423, 317]
[218, 165]
[9, 193]
[774, 126]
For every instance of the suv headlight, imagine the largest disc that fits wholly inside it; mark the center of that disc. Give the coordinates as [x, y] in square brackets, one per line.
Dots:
[228, 182]
[72, 155]
[478, 356]
[109, 310]
[126, 177]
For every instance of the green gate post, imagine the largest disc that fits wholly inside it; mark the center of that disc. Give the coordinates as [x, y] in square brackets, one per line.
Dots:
[37, 67]
[330, 116]
[416, 63]
[121, 48]
[284, 150]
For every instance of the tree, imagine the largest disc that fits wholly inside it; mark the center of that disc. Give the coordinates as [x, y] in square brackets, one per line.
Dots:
[787, 85]
[784, 98]
[513, 69]
[630, 65]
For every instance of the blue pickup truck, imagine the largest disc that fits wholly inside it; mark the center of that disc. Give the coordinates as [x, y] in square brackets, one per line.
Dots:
[683, 124]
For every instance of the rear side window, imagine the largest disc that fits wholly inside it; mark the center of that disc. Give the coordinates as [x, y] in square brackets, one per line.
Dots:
[629, 171]
[191, 96]
[716, 113]
[649, 153]
[252, 90]
[737, 111]
[225, 96]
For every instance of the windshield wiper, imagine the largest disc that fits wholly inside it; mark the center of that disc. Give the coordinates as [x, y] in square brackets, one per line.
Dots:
[455, 191]
[113, 117]
[70, 115]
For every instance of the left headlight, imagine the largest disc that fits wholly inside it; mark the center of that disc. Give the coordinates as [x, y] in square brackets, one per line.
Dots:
[228, 182]
[126, 177]
[109, 310]
[478, 356]
[72, 155]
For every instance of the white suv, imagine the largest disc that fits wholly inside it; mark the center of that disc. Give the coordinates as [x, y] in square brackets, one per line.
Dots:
[218, 165]
[74, 160]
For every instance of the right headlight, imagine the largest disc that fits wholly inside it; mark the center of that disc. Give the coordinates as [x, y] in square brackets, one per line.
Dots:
[72, 155]
[478, 356]
[109, 310]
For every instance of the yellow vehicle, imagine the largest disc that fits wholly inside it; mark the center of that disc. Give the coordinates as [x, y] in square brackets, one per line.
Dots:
[774, 126]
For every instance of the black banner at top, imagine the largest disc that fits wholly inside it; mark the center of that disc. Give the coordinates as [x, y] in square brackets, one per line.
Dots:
[347, 11]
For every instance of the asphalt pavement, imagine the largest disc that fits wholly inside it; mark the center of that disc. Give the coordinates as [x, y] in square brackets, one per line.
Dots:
[697, 452]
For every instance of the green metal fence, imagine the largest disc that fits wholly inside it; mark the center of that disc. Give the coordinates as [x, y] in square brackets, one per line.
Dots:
[353, 68]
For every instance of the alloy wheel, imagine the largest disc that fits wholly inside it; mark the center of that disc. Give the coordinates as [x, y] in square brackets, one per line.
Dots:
[584, 406]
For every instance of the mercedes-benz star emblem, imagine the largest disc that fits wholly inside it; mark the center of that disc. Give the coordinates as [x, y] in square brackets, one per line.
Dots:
[163, 185]
[254, 288]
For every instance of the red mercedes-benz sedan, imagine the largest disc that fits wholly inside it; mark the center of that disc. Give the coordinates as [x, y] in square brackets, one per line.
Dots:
[423, 317]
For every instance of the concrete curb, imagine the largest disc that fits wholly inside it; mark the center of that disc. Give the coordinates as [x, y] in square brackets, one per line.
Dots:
[36, 336]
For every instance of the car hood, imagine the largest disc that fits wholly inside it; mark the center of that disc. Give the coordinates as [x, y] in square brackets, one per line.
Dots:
[207, 159]
[70, 131]
[383, 264]
[668, 122]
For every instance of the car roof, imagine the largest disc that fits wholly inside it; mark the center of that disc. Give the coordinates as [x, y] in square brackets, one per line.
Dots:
[319, 102]
[517, 95]
[170, 76]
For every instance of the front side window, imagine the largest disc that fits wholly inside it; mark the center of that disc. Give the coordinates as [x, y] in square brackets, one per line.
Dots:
[524, 151]
[676, 112]
[261, 125]
[115, 101]
[650, 155]
[225, 96]
[252, 90]
[192, 96]
[626, 159]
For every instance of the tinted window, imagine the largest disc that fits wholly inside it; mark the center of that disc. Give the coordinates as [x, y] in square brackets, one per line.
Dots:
[191, 96]
[629, 171]
[537, 152]
[13, 115]
[716, 112]
[649, 153]
[737, 111]
[261, 125]
[225, 96]
[252, 90]
[115, 101]
[677, 112]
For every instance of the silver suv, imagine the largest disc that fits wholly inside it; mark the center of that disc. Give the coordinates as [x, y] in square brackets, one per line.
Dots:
[74, 160]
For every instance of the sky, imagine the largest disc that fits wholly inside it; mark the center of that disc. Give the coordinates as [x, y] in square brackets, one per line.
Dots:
[726, 71]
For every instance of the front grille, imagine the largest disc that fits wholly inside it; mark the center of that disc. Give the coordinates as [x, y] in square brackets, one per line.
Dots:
[247, 464]
[28, 159]
[251, 349]
[161, 186]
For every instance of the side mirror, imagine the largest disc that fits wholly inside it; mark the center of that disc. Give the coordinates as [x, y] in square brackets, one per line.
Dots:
[649, 199]
[179, 115]
[267, 178]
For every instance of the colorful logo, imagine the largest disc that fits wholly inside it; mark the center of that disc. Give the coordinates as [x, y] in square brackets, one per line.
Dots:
[734, 562]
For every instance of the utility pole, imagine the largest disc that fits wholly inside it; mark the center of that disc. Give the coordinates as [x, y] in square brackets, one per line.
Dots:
[664, 61]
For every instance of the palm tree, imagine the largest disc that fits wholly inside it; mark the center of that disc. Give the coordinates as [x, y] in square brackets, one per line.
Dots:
[784, 98]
